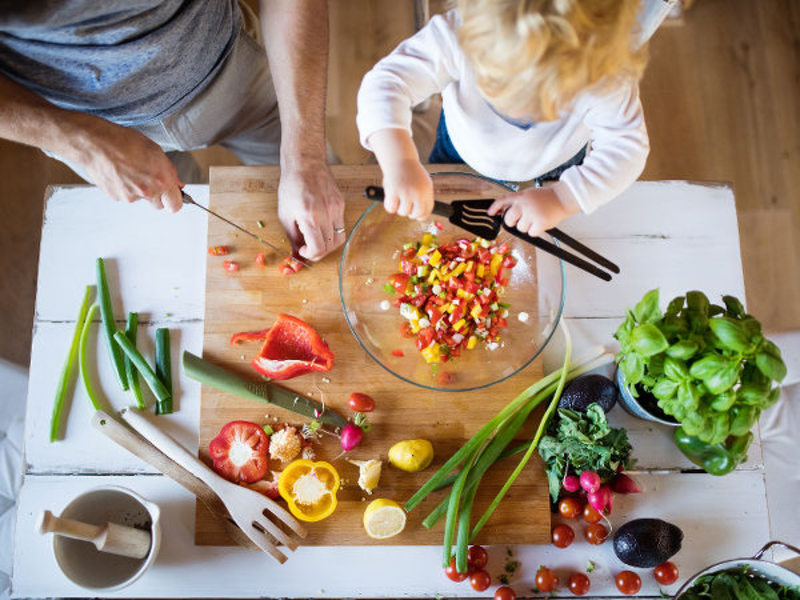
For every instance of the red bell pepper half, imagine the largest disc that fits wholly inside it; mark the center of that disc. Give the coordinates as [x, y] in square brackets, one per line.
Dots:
[291, 348]
[240, 451]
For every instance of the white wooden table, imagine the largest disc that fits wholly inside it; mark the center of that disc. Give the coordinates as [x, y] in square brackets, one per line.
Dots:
[672, 235]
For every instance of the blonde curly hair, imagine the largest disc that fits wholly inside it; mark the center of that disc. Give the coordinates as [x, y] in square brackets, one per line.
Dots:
[532, 58]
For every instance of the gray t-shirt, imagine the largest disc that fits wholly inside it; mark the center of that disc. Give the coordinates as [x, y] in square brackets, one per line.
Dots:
[127, 61]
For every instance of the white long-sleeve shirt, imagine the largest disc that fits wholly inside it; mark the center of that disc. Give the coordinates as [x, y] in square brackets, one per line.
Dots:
[432, 61]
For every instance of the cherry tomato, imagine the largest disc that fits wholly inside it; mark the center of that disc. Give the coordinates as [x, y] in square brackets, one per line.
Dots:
[628, 582]
[452, 573]
[261, 260]
[505, 593]
[569, 507]
[666, 573]
[579, 584]
[480, 580]
[546, 580]
[398, 353]
[595, 534]
[285, 269]
[562, 535]
[361, 402]
[230, 266]
[218, 250]
[477, 557]
[590, 515]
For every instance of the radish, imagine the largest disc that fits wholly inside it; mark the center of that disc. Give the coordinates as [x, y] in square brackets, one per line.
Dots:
[590, 481]
[571, 483]
[625, 484]
[596, 501]
[351, 437]
[607, 497]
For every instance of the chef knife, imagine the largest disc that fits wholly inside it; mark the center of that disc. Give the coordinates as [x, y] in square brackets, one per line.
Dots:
[187, 199]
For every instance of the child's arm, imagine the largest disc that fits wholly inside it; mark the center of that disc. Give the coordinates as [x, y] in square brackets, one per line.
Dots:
[406, 183]
[535, 210]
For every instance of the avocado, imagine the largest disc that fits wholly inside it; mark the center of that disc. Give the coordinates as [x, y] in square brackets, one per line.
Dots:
[586, 389]
[646, 543]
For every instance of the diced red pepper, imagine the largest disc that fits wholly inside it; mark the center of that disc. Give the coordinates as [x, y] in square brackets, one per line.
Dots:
[398, 353]
[239, 452]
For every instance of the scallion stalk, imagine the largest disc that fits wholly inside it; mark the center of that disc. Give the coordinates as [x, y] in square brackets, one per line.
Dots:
[131, 375]
[155, 385]
[164, 369]
[69, 367]
[452, 509]
[109, 325]
[87, 325]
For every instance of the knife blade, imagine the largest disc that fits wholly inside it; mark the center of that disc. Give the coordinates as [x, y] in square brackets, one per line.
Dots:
[187, 199]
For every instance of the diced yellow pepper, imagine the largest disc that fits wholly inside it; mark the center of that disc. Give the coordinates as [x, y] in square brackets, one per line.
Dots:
[497, 260]
[475, 313]
[462, 293]
[471, 342]
[459, 269]
[431, 354]
[427, 239]
[469, 264]
[480, 271]
[449, 308]
[459, 324]
[423, 250]
[435, 259]
[434, 276]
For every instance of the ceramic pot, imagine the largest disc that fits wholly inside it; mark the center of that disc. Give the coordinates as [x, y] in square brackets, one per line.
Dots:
[644, 407]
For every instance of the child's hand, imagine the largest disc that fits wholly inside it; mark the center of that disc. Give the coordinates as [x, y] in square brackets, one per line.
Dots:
[406, 183]
[408, 189]
[533, 211]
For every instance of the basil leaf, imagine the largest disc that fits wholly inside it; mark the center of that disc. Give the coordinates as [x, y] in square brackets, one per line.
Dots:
[721, 427]
[665, 389]
[674, 307]
[675, 369]
[724, 401]
[771, 349]
[698, 321]
[647, 310]
[693, 423]
[724, 378]
[648, 340]
[683, 350]
[633, 370]
[771, 398]
[715, 310]
[742, 419]
[707, 367]
[688, 396]
[771, 366]
[624, 330]
[697, 302]
[731, 333]
[735, 308]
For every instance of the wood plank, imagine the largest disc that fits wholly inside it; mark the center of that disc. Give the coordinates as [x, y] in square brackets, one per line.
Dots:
[251, 298]
[703, 506]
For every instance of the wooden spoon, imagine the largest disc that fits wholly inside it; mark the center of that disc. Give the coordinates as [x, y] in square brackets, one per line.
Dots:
[110, 537]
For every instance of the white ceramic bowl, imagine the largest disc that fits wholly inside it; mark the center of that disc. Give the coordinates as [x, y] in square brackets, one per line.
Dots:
[89, 568]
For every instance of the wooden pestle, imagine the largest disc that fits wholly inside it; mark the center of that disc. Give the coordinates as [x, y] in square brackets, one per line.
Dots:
[110, 537]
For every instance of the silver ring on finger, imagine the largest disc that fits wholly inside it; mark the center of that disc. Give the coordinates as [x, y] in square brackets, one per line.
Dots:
[339, 230]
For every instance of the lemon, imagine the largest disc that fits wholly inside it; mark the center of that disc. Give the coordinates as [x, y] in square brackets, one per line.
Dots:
[411, 455]
[383, 519]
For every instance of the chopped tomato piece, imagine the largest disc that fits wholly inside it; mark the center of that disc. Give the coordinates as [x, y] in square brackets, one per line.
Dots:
[218, 250]
[446, 377]
[398, 353]
[261, 260]
[408, 267]
[438, 225]
[405, 330]
[230, 266]
[399, 282]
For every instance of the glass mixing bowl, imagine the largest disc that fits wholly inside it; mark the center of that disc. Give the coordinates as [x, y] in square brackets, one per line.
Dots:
[535, 293]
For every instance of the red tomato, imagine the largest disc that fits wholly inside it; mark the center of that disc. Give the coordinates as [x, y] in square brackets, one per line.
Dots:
[410, 253]
[445, 377]
[399, 282]
[562, 535]
[569, 507]
[424, 338]
[505, 593]
[361, 402]
[438, 225]
[546, 580]
[405, 330]
[398, 353]
[666, 573]
[230, 266]
[477, 557]
[261, 260]
[590, 515]
[218, 250]
[579, 584]
[595, 534]
[628, 582]
[408, 267]
[239, 452]
[285, 269]
[480, 580]
[452, 573]
[509, 262]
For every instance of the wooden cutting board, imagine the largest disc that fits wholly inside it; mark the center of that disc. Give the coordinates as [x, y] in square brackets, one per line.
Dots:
[251, 298]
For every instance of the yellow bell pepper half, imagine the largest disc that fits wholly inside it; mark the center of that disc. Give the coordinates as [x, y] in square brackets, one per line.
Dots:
[309, 489]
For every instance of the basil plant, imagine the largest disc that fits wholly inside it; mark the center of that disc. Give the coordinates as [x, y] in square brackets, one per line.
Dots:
[708, 366]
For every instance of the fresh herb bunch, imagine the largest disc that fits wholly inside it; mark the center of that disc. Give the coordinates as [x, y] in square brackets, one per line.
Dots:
[709, 366]
[740, 584]
[583, 442]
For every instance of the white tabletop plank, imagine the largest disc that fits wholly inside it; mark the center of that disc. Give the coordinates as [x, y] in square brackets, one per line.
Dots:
[157, 258]
[717, 525]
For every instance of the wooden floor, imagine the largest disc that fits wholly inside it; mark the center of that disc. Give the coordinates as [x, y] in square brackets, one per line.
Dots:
[721, 96]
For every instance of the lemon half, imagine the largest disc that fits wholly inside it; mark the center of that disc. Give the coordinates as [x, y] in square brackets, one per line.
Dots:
[384, 518]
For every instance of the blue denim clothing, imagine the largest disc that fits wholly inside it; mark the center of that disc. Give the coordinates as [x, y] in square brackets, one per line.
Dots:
[444, 152]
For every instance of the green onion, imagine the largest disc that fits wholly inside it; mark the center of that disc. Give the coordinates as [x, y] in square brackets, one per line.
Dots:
[69, 367]
[106, 311]
[87, 323]
[132, 376]
[164, 370]
[158, 389]
[260, 224]
[452, 509]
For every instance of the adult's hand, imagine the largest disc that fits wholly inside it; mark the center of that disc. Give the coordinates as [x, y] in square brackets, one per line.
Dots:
[128, 166]
[311, 210]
